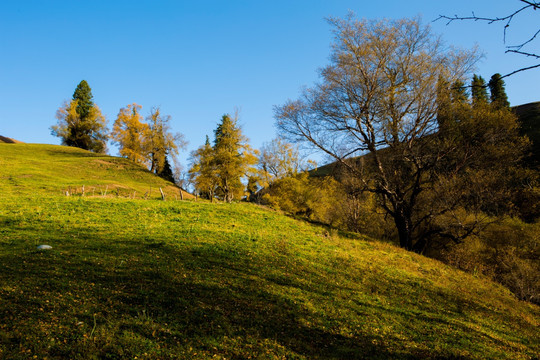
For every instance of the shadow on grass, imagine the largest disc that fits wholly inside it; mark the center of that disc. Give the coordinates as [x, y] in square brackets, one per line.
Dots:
[187, 298]
[68, 151]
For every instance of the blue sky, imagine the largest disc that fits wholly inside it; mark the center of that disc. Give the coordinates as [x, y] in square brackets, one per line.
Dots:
[200, 59]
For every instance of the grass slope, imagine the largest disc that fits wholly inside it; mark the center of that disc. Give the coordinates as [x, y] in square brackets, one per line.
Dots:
[54, 169]
[132, 278]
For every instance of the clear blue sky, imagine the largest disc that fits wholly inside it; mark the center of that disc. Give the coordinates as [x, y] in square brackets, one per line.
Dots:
[200, 59]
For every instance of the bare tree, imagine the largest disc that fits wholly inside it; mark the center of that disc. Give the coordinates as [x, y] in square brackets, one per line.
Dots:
[379, 96]
[507, 20]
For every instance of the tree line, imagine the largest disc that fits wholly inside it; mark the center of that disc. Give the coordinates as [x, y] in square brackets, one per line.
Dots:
[146, 141]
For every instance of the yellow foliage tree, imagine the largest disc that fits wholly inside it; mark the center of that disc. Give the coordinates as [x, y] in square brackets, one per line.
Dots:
[88, 133]
[203, 172]
[161, 142]
[131, 134]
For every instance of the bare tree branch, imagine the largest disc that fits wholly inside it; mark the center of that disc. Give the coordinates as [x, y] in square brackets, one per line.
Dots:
[507, 19]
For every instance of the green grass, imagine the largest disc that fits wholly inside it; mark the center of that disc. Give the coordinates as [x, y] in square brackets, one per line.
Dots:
[132, 278]
[55, 170]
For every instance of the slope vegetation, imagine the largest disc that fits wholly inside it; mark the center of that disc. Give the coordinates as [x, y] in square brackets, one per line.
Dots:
[146, 279]
[53, 169]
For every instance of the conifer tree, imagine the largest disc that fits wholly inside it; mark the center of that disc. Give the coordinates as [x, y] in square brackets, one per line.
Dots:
[232, 158]
[479, 91]
[81, 123]
[167, 173]
[499, 99]
[83, 96]
[458, 92]
[218, 170]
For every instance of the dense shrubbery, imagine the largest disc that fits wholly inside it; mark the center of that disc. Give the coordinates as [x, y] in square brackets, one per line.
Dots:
[506, 251]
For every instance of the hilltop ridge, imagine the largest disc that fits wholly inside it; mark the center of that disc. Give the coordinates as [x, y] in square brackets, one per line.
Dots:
[7, 140]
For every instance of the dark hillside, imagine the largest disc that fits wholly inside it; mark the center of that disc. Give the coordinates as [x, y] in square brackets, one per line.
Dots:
[7, 140]
[529, 116]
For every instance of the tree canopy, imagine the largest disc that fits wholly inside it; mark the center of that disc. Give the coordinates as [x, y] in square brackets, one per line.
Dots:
[130, 132]
[382, 95]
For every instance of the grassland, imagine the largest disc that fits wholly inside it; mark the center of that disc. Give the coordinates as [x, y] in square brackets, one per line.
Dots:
[132, 278]
[55, 170]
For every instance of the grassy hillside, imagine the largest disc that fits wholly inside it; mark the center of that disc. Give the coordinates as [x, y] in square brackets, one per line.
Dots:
[133, 278]
[52, 169]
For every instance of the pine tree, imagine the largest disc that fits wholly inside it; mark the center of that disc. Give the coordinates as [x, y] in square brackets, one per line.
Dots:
[83, 96]
[81, 123]
[499, 99]
[459, 92]
[167, 173]
[479, 91]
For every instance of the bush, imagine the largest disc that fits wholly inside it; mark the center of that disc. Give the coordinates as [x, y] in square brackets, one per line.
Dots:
[507, 251]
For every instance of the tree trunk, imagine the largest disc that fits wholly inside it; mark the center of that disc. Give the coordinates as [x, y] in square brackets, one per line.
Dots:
[403, 226]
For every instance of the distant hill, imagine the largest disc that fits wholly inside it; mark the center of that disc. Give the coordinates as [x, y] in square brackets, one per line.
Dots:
[7, 140]
[528, 115]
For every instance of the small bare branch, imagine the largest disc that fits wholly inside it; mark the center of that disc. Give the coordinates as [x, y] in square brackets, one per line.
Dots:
[507, 19]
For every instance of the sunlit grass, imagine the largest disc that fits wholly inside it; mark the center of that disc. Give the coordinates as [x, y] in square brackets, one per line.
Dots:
[140, 278]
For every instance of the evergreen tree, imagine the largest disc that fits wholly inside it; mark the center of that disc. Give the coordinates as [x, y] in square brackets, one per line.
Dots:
[83, 96]
[498, 94]
[229, 158]
[218, 170]
[81, 123]
[479, 90]
[167, 173]
[459, 92]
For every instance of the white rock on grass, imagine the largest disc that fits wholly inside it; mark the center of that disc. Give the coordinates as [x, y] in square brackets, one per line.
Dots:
[44, 247]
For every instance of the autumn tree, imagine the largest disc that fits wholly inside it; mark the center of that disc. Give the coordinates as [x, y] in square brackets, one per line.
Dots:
[218, 169]
[203, 173]
[81, 123]
[161, 142]
[233, 158]
[379, 96]
[278, 159]
[130, 132]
